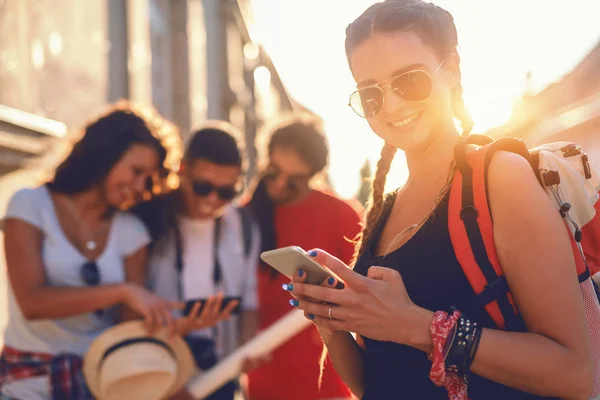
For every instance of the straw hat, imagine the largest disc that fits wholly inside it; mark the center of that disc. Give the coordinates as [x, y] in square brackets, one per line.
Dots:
[125, 363]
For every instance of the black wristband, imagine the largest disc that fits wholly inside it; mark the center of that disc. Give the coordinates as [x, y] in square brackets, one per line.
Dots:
[461, 349]
[474, 347]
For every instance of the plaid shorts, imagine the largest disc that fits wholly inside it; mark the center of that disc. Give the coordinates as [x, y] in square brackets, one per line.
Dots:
[63, 370]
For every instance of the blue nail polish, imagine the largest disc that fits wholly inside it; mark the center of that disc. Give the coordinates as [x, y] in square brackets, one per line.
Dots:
[287, 286]
[311, 316]
[300, 273]
[331, 280]
[294, 302]
[312, 253]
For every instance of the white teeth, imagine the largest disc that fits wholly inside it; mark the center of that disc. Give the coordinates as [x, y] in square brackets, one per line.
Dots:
[405, 121]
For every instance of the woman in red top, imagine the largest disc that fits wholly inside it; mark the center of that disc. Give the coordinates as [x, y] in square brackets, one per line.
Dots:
[286, 208]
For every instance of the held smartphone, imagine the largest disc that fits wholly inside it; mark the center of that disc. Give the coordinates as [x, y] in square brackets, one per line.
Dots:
[288, 260]
[226, 300]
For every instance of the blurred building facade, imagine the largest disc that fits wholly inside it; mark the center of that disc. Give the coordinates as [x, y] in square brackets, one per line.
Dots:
[191, 59]
[567, 110]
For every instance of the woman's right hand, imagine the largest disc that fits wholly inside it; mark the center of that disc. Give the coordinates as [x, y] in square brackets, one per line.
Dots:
[156, 311]
[300, 277]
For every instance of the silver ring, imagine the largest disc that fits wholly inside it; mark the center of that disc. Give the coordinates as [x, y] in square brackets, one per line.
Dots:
[330, 313]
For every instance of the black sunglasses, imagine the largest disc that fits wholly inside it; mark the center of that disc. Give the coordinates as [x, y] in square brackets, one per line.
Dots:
[202, 188]
[414, 86]
[293, 182]
[90, 275]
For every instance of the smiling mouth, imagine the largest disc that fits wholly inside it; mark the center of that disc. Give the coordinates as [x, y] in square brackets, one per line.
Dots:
[405, 121]
[206, 209]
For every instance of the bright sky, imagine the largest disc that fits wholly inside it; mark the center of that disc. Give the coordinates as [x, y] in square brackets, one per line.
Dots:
[500, 41]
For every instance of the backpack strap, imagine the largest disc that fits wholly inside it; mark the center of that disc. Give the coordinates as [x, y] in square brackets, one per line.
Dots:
[179, 262]
[247, 223]
[472, 236]
[217, 269]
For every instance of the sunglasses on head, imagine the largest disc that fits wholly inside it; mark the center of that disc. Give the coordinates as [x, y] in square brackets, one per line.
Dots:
[203, 189]
[414, 86]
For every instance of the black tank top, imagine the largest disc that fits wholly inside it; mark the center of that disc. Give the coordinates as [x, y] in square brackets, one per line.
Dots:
[435, 281]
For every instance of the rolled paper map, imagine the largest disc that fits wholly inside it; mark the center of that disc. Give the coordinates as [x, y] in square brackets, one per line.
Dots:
[263, 343]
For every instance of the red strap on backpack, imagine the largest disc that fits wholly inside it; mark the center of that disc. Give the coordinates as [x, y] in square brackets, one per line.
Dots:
[472, 236]
[471, 230]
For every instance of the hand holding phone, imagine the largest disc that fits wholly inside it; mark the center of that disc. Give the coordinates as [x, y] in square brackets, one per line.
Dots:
[288, 260]
[226, 301]
[200, 314]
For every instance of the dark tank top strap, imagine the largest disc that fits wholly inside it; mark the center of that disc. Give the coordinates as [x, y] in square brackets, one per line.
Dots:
[388, 204]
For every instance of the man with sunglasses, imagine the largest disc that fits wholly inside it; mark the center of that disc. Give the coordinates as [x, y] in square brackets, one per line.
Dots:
[291, 211]
[215, 248]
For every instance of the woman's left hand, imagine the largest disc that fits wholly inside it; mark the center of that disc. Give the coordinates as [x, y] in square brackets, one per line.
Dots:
[377, 306]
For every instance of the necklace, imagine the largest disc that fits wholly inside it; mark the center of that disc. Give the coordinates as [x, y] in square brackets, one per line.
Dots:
[425, 218]
[90, 241]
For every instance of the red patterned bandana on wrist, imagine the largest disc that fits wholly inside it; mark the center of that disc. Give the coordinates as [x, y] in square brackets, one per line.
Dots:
[441, 327]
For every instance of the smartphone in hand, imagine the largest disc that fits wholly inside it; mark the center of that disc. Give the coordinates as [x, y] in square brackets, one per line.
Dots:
[288, 260]
[226, 300]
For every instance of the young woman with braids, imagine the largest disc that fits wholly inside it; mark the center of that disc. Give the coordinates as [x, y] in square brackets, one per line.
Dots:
[403, 56]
